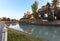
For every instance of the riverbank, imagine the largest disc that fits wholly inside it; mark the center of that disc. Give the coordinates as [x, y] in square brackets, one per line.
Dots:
[14, 35]
[40, 22]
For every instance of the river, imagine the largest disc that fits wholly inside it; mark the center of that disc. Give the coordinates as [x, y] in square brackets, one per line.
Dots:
[47, 33]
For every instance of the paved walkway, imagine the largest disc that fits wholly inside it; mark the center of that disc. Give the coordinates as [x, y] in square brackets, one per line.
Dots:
[3, 32]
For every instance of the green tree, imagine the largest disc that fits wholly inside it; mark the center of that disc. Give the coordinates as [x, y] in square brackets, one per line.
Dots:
[41, 12]
[4, 19]
[58, 14]
[8, 19]
[34, 9]
[54, 3]
[48, 7]
[50, 15]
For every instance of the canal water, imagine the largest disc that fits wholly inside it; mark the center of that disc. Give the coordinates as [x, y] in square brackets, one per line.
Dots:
[47, 33]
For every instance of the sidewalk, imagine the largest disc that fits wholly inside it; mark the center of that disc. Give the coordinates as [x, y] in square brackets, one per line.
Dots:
[3, 32]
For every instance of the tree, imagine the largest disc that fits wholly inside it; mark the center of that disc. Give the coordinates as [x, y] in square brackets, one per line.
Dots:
[55, 7]
[54, 4]
[34, 9]
[58, 14]
[42, 13]
[48, 7]
[8, 19]
[50, 15]
[4, 19]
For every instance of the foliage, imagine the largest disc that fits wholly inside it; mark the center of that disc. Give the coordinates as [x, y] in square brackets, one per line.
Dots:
[58, 14]
[50, 14]
[54, 4]
[47, 6]
[8, 19]
[34, 9]
[29, 16]
[51, 10]
[42, 14]
[14, 35]
[4, 19]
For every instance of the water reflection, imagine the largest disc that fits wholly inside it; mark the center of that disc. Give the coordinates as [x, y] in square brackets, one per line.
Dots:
[16, 27]
[44, 32]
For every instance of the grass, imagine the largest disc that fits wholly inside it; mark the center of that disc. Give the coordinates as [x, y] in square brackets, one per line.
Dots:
[14, 35]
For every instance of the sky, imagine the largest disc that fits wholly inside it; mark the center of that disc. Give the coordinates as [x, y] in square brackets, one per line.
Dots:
[16, 8]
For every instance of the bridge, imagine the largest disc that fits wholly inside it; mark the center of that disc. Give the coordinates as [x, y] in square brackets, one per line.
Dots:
[3, 32]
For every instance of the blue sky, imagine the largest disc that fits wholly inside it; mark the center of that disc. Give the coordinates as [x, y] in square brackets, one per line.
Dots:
[16, 8]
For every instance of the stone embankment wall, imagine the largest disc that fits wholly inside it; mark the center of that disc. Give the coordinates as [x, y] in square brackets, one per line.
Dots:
[40, 22]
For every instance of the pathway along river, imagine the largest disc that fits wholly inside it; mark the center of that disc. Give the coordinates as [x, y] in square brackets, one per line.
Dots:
[48, 33]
